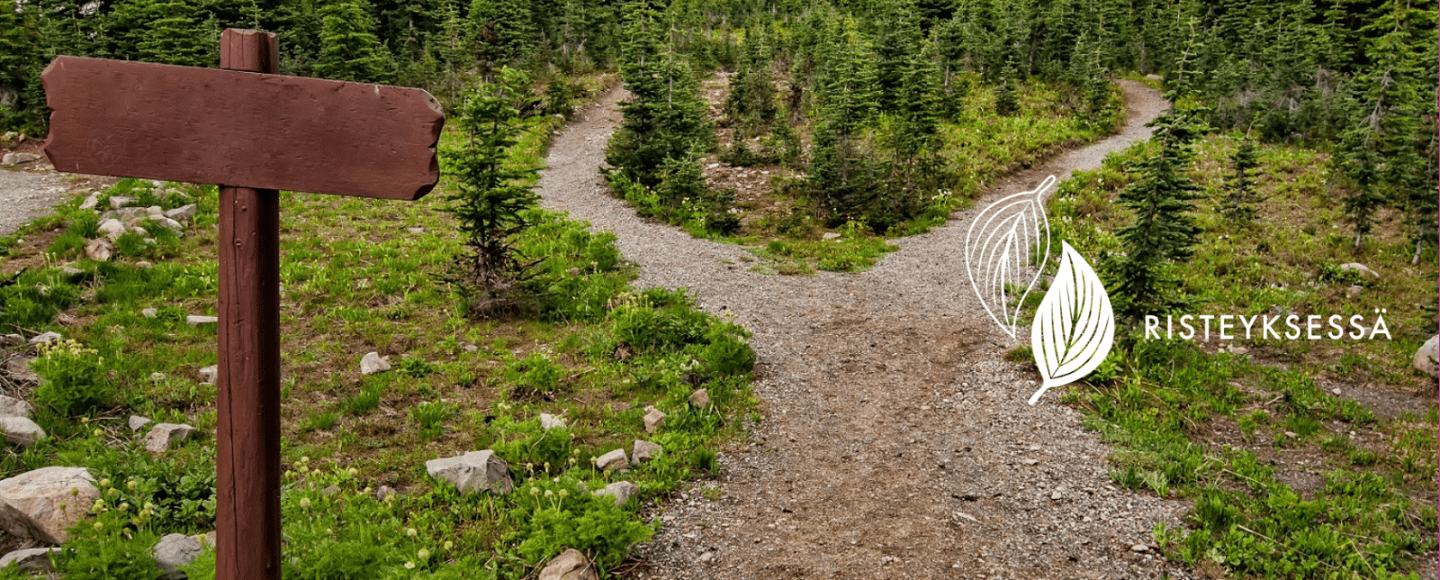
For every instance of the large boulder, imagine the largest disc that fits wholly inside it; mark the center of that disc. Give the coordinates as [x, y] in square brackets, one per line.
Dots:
[31, 560]
[1428, 357]
[43, 503]
[569, 565]
[473, 471]
[13, 407]
[174, 551]
[21, 431]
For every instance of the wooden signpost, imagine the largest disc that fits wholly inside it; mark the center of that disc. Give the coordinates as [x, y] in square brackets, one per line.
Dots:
[253, 133]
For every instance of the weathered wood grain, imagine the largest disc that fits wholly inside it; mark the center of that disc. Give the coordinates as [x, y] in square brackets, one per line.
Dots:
[247, 507]
[243, 129]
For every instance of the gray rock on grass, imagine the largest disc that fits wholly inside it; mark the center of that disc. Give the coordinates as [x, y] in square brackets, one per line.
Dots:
[21, 431]
[654, 418]
[13, 407]
[1361, 268]
[622, 491]
[46, 338]
[613, 460]
[183, 213]
[569, 565]
[195, 320]
[9, 340]
[111, 228]
[100, 250]
[644, 451]
[30, 560]
[174, 551]
[43, 503]
[119, 201]
[209, 374]
[373, 363]
[137, 422]
[162, 435]
[700, 398]
[91, 201]
[1427, 359]
[149, 313]
[473, 471]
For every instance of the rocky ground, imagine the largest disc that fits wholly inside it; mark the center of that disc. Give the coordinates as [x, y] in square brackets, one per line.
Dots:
[897, 442]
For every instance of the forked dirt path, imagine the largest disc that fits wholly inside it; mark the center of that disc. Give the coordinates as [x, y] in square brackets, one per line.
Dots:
[897, 442]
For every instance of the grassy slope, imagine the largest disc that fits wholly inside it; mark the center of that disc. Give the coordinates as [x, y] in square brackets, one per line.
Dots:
[355, 280]
[1288, 479]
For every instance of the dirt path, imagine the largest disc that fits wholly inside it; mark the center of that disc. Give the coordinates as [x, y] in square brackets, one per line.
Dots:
[897, 442]
[26, 195]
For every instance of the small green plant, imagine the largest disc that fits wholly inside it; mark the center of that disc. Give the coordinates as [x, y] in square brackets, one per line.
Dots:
[431, 417]
[368, 399]
[320, 421]
[72, 379]
[416, 367]
[536, 374]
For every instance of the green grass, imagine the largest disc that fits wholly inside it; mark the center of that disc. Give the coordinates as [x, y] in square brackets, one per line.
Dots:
[355, 280]
[1225, 430]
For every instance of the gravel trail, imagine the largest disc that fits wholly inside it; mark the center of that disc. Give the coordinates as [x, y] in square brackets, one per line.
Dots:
[26, 195]
[897, 442]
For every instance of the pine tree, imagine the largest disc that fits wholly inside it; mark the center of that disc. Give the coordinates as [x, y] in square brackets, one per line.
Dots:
[1241, 198]
[490, 198]
[502, 31]
[1163, 231]
[751, 102]
[174, 37]
[349, 50]
[665, 117]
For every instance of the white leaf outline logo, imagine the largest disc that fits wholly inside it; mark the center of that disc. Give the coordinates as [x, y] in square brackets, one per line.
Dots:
[1074, 326]
[999, 251]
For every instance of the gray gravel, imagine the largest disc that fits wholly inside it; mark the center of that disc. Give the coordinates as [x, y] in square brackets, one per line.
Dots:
[897, 442]
[26, 195]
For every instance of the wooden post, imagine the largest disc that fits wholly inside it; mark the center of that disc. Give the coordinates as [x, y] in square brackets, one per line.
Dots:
[247, 518]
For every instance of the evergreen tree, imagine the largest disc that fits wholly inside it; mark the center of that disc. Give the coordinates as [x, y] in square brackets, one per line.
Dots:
[174, 37]
[1240, 196]
[502, 31]
[489, 198]
[751, 102]
[665, 117]
[349, 50]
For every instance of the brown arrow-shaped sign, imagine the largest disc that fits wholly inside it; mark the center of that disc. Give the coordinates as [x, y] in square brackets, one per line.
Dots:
[241, 129]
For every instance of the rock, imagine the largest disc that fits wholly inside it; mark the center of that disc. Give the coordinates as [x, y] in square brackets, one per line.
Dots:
[471, 348]
[644, 451]
[168, 223]
[1139, 548]
[612, 461]
[154, 210]
[157, 377]
[548, 422]
[143, 265]
[163, 434]
[43, 503]
[573, 272]
[700, 398]
[415, 230]
[99, 250]
[13, 407]
[707, 557]
[21, 430]
[137, 422]
[183, 213]
[13, 159]
[91, 201]
[622, 491]
[1056, 496]
[208, 374]
[194, 320]
[32, 560]
[46, 338]
[71, 271]
[1153, 77]
[1358, 267]
[569, 565]
[384, 492]
[139, 231]
[1354, 290]
[373, 363]
[10, 340]
[1428, 357]
[19, 371]
[119, 201]
[654, 418]
[831, 236]
[473, 471]
[149, 312]
[174, 551]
